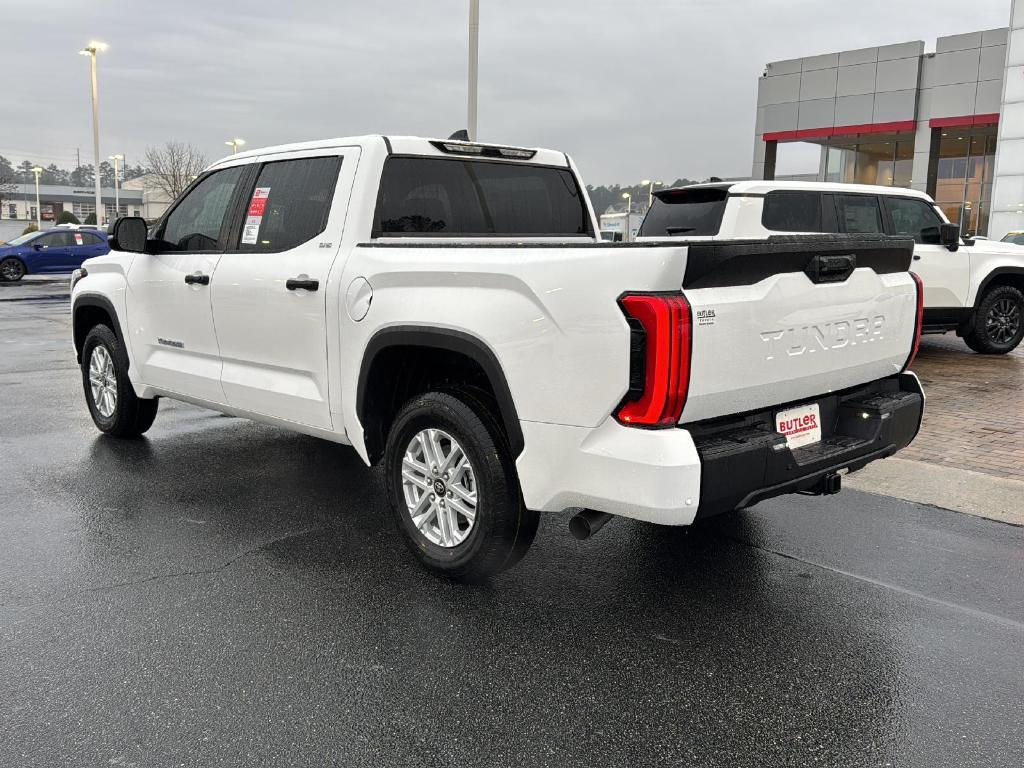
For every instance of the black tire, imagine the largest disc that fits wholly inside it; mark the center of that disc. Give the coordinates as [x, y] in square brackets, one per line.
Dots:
[130, 416]
[503, 528]
[997, 326]
[12, 269]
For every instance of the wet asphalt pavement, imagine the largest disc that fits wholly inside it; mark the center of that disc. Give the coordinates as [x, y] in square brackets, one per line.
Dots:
[223, 593]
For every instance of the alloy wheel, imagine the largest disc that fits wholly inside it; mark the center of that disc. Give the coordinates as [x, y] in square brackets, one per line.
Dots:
[103, 381]
[1003, 321]
[11, 269]
[440, 488]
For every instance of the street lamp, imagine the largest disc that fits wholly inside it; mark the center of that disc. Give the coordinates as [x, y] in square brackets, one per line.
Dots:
[235, 144]
[117, 179]
[629, 209]
[474, 59]
[39, 211]
[650, 190]
[91, 50]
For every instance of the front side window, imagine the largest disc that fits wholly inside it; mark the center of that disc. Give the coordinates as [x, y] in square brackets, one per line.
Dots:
[197, 222]
[434, 197]
[695, 211]
[914, 218]
[290, 204]
[56, 240]
[859, 214]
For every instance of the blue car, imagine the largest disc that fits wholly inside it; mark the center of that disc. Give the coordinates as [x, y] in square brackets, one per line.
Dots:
[55, 250]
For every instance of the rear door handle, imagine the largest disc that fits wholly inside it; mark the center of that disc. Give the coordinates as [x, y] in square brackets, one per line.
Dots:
[197, 279]
[916, 257]
[305, 283]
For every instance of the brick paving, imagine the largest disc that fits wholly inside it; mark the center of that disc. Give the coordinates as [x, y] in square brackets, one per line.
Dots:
[975, 414]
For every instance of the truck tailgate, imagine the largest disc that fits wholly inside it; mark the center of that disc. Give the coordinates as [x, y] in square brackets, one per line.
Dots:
[791, 318]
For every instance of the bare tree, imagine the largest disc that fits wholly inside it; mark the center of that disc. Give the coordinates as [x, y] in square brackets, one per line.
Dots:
[8, 179]
[174, 165]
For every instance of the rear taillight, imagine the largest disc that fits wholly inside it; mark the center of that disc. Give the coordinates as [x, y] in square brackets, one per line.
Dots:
[918, 321]
[660, 341]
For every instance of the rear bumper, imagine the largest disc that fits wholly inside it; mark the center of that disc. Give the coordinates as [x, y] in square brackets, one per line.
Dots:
[744, 461]
[674, 476]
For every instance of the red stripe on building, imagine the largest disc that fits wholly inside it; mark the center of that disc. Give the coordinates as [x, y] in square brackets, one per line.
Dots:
[840, 130]
[964, 121]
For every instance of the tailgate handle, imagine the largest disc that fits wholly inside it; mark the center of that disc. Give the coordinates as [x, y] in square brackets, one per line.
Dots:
[831, 269]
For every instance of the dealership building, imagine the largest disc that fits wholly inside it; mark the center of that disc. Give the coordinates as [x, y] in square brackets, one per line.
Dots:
[949, 122]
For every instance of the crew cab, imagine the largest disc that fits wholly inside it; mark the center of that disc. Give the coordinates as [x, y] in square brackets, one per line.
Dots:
[974, 287]
[449, 310]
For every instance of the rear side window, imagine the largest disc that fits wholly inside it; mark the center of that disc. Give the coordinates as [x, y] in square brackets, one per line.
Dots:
[686, 212]
[289, 204]
[434, 197]
[792, 211]
[859, 214]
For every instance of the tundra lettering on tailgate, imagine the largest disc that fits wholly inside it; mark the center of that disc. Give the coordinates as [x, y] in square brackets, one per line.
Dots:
[793, 342]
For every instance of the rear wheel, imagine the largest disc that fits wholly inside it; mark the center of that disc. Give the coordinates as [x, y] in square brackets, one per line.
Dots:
[453, 489]
[998, 324]
[12, 269]
[113, 404]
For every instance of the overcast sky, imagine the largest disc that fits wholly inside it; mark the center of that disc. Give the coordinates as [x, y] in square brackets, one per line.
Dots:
[662, 88]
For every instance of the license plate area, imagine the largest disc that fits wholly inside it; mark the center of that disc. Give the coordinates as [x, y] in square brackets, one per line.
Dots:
[800, 426]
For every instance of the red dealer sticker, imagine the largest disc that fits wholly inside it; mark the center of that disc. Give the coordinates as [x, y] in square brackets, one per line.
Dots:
[254, 216]
[78, 239]
[801, 426]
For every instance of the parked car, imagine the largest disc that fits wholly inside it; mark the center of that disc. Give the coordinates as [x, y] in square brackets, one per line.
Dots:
[973, 287]
[54, 250]
[449, 310]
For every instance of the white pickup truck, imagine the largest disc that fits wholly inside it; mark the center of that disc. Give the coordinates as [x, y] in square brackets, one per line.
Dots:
[974, 287]
[448, 309]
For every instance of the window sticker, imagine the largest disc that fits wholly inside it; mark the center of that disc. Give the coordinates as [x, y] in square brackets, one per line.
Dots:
[253, 218]
[78, 238]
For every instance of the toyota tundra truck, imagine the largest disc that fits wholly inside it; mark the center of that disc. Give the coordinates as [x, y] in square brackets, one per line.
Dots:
[448, 309]
[972, 286]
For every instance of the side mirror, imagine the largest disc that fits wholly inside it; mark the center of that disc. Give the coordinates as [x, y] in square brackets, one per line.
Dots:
[129, 233]
[37, 246]
[949, 236]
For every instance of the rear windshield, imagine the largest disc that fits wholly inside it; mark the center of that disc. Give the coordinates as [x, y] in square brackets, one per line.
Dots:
[436, 197]
[686, 212]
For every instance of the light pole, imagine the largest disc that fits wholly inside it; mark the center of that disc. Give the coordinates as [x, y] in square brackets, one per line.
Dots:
[625, 222]
[91, 50]
[235, 144]
[39, 210]
[117, 185]
[474, 58]
[650, 190]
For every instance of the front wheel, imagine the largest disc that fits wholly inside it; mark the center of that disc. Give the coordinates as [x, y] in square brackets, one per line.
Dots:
[12, 269]
[113, 404]
[452, 486]
[998, 324]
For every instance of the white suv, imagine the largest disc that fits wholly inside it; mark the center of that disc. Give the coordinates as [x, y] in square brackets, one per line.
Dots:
[972, 287]
[448, 310]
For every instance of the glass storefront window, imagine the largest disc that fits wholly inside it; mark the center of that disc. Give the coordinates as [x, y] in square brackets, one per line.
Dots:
[963, 184]
[871, 160]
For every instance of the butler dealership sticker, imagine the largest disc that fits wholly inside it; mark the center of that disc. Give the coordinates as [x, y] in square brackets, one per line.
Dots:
[254, 217]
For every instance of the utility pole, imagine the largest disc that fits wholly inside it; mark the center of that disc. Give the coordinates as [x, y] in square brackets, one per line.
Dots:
[474, 60]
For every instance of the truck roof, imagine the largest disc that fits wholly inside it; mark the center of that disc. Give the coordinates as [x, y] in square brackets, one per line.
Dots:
[760, 187]
[404, 145]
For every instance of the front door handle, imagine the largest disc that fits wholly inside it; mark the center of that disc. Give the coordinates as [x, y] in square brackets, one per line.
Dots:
[303, 282]
[916, 257]
[197, 279]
